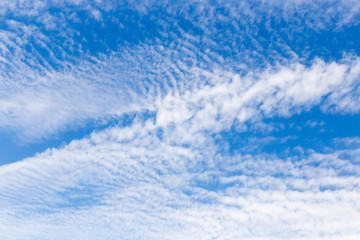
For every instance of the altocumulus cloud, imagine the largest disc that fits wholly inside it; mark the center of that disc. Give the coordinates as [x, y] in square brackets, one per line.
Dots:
[189, 73]
[132, 184]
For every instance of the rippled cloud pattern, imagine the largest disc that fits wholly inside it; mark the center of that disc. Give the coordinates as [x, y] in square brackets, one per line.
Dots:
[179, 120]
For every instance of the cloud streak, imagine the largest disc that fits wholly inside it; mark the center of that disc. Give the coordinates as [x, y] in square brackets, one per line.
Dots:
[61, 69]
[130, 183]
[217, 68]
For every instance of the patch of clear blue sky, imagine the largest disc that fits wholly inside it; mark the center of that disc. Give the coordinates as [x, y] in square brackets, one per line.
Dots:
[312, 130]
[12, 149]
[130, 28]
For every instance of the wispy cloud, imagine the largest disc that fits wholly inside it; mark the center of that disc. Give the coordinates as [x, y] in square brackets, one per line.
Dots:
[233, 100]
[131, 183]
[57, 72]
[200, 70]
[167, 170]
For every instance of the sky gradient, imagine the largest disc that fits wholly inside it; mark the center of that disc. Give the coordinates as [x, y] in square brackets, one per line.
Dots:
[179, 120]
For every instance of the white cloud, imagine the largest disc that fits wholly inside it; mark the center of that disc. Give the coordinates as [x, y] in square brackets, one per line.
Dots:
[128, 182]
[281, 92]
[165, 178]
[43, 93]
[42, 104]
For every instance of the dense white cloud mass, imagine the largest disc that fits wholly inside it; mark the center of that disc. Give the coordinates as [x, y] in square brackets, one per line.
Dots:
[280, 92]
[189, 73]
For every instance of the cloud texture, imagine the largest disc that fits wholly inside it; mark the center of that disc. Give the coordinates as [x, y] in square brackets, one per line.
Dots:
[189, 75]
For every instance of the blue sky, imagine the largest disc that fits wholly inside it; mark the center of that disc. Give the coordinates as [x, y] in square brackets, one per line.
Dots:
[179, 120]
